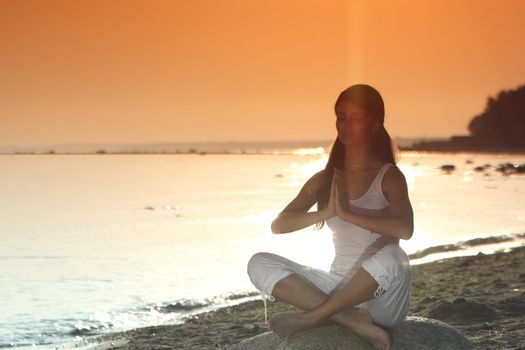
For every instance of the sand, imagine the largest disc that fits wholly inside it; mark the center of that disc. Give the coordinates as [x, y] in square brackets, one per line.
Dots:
[482, 296]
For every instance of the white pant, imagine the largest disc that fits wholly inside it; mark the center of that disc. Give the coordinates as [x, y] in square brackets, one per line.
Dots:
[390, 267]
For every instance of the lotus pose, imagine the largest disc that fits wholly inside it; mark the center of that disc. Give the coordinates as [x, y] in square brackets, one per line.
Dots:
[362, 196]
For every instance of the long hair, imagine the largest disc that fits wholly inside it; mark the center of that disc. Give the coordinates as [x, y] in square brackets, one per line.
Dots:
[371, 101]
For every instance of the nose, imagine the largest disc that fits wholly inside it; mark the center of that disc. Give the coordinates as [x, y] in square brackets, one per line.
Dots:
[345, 126]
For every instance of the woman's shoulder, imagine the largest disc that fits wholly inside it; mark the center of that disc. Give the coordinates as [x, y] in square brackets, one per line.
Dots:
[319, 177]
[316, 181]
[319, 174]
[393, 178]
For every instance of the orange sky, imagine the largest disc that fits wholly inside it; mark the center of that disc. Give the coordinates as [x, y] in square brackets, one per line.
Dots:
[90, 71]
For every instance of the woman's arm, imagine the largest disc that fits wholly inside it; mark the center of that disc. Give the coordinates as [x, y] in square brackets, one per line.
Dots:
[295, 215]
[400, 222]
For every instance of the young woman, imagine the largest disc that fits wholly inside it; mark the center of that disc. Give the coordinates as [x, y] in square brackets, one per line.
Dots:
[362, 195]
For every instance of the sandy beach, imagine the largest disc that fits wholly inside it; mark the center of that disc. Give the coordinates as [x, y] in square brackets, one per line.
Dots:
[482, 296]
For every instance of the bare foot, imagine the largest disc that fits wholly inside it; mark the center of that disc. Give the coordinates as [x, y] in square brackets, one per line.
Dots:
[366, 328]
[285, 324]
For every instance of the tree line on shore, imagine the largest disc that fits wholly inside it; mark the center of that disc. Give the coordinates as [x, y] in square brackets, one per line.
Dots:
[499, 128]
[503, 120]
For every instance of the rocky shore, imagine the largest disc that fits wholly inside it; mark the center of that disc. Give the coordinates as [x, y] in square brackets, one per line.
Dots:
[481, 296]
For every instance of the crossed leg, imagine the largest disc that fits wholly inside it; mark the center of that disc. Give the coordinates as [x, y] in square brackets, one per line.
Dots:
[297, 291]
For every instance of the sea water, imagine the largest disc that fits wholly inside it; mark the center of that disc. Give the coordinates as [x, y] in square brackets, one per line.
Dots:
[98, 243]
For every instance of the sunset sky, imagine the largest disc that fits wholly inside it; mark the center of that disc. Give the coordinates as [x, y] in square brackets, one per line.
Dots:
[95, 72]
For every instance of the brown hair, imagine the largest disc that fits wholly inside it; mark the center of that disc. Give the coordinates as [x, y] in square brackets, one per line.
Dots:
[371, 101]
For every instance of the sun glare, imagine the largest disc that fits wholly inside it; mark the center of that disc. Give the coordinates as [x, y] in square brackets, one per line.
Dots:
[410, 175]
[309, 151]
[310, 168]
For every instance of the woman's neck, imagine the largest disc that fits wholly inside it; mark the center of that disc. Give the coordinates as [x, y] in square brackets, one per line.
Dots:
[359, 156]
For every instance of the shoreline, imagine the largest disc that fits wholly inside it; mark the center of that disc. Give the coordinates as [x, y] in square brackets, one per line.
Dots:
[482, 296]
[462, 248]
[87, 339]
[292, 152]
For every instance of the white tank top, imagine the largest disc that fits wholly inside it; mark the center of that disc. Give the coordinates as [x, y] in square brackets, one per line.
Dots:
[351, 240]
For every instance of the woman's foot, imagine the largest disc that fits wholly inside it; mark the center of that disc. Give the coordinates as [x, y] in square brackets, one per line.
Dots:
[365, 328]
[285, 324]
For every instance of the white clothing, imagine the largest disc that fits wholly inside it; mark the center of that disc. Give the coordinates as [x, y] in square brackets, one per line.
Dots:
[351, 240]
[389, 265]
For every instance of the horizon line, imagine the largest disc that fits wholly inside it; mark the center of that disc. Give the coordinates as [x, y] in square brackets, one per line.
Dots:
[153, 143]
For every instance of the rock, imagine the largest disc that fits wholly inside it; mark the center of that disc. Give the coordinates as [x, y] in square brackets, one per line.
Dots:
[513, 306]
[479, 168]
[414, 333]
[464, 311]
[506, 168]
[448, 168]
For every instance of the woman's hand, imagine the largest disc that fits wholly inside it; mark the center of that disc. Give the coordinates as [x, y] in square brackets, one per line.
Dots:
[330, 209]
[341, 197]
[337, 197]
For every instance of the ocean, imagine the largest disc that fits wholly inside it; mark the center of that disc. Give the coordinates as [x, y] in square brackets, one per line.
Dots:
[97, 243]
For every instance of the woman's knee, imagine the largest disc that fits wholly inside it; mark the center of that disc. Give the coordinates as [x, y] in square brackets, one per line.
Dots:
[388, 265]
[394, 257]
[258, 265]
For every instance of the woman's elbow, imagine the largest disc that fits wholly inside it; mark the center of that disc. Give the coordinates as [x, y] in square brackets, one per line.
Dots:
[406, 234]
[275, 226]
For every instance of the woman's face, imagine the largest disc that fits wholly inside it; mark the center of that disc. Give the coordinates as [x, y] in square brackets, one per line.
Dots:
[353, 124]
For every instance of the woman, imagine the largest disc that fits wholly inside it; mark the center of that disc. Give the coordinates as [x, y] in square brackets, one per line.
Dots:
[362, 195]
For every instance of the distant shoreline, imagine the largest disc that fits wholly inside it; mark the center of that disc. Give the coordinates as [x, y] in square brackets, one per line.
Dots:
[273, 153]
[454, 144]
[201, 153]
[465, 150]
[463, 143]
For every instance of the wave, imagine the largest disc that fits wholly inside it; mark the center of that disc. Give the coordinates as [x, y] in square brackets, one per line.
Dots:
[69, 331]
[195, 304]
[56, 332]
[463, 245]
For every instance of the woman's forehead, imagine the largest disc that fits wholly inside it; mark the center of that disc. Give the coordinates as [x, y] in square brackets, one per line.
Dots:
[349, 107]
